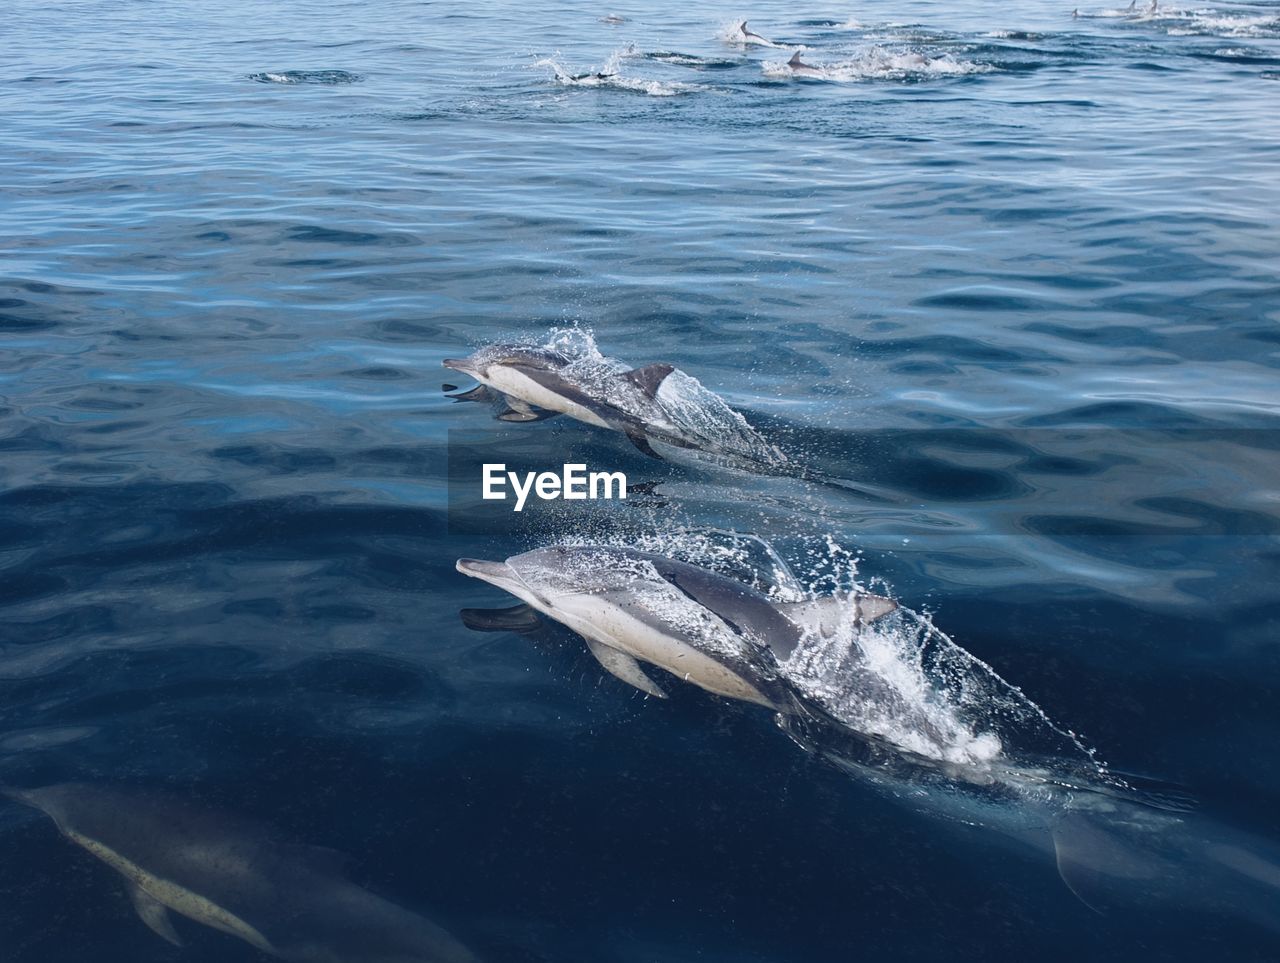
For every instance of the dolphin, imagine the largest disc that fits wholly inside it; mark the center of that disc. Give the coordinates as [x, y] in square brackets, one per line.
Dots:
[746, 36]
[539, 383]
[289, 901]
[703, 627]
[802, 69]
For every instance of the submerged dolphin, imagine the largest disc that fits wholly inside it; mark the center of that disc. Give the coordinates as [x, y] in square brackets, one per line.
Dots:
[708, 629]
[289, 901]
[538, 383]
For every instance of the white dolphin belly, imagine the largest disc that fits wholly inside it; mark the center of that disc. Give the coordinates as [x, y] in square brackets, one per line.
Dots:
[520, 385]
[605, 622]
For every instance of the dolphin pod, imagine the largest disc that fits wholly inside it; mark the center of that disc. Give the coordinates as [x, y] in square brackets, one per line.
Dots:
[702, 627]
[289, 901]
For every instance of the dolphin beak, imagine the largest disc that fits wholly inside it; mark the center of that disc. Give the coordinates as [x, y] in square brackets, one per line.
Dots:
[495, 573]
[463, 365]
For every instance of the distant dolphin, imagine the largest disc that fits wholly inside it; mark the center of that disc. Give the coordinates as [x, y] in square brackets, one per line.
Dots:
[538, 383]
[750, 37]
[703, 627]
[289, 901]
[802, 69]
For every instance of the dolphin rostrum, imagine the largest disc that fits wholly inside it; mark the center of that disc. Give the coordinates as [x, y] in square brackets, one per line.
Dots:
[706, 628]
[289, 901]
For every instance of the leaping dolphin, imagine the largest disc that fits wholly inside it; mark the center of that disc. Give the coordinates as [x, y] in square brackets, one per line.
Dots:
[289, 901]
[703, 627]
[538, 383]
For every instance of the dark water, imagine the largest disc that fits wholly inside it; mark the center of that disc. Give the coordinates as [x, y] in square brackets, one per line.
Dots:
[1023, 293]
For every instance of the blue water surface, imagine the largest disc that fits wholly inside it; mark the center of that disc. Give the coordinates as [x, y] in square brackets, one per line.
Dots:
[1008, 273]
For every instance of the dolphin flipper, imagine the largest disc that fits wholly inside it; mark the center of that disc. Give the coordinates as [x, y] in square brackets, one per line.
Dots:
[624, 667]
[152, 912]
[522, 411]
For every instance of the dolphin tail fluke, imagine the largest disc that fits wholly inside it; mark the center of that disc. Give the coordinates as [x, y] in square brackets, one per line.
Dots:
[1134, 857]
[617, 663]
[152, 912]
[1098, 866]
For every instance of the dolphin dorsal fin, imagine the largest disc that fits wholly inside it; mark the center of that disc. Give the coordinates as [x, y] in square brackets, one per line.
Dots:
[649, 378]
[743, 27]
[825, 616]
[795, 60]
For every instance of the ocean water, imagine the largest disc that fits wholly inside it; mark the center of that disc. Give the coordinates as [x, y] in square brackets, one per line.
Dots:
[1003, 279]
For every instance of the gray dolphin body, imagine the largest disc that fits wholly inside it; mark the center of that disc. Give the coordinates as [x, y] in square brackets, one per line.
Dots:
[539, 383]
[748, 36]
[289, 901]
[802, 69]
[703, 627]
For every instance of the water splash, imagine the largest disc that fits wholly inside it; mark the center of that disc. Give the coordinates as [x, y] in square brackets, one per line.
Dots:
[899, 681]
[683, 408]
[610, 76]
[879, 63]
